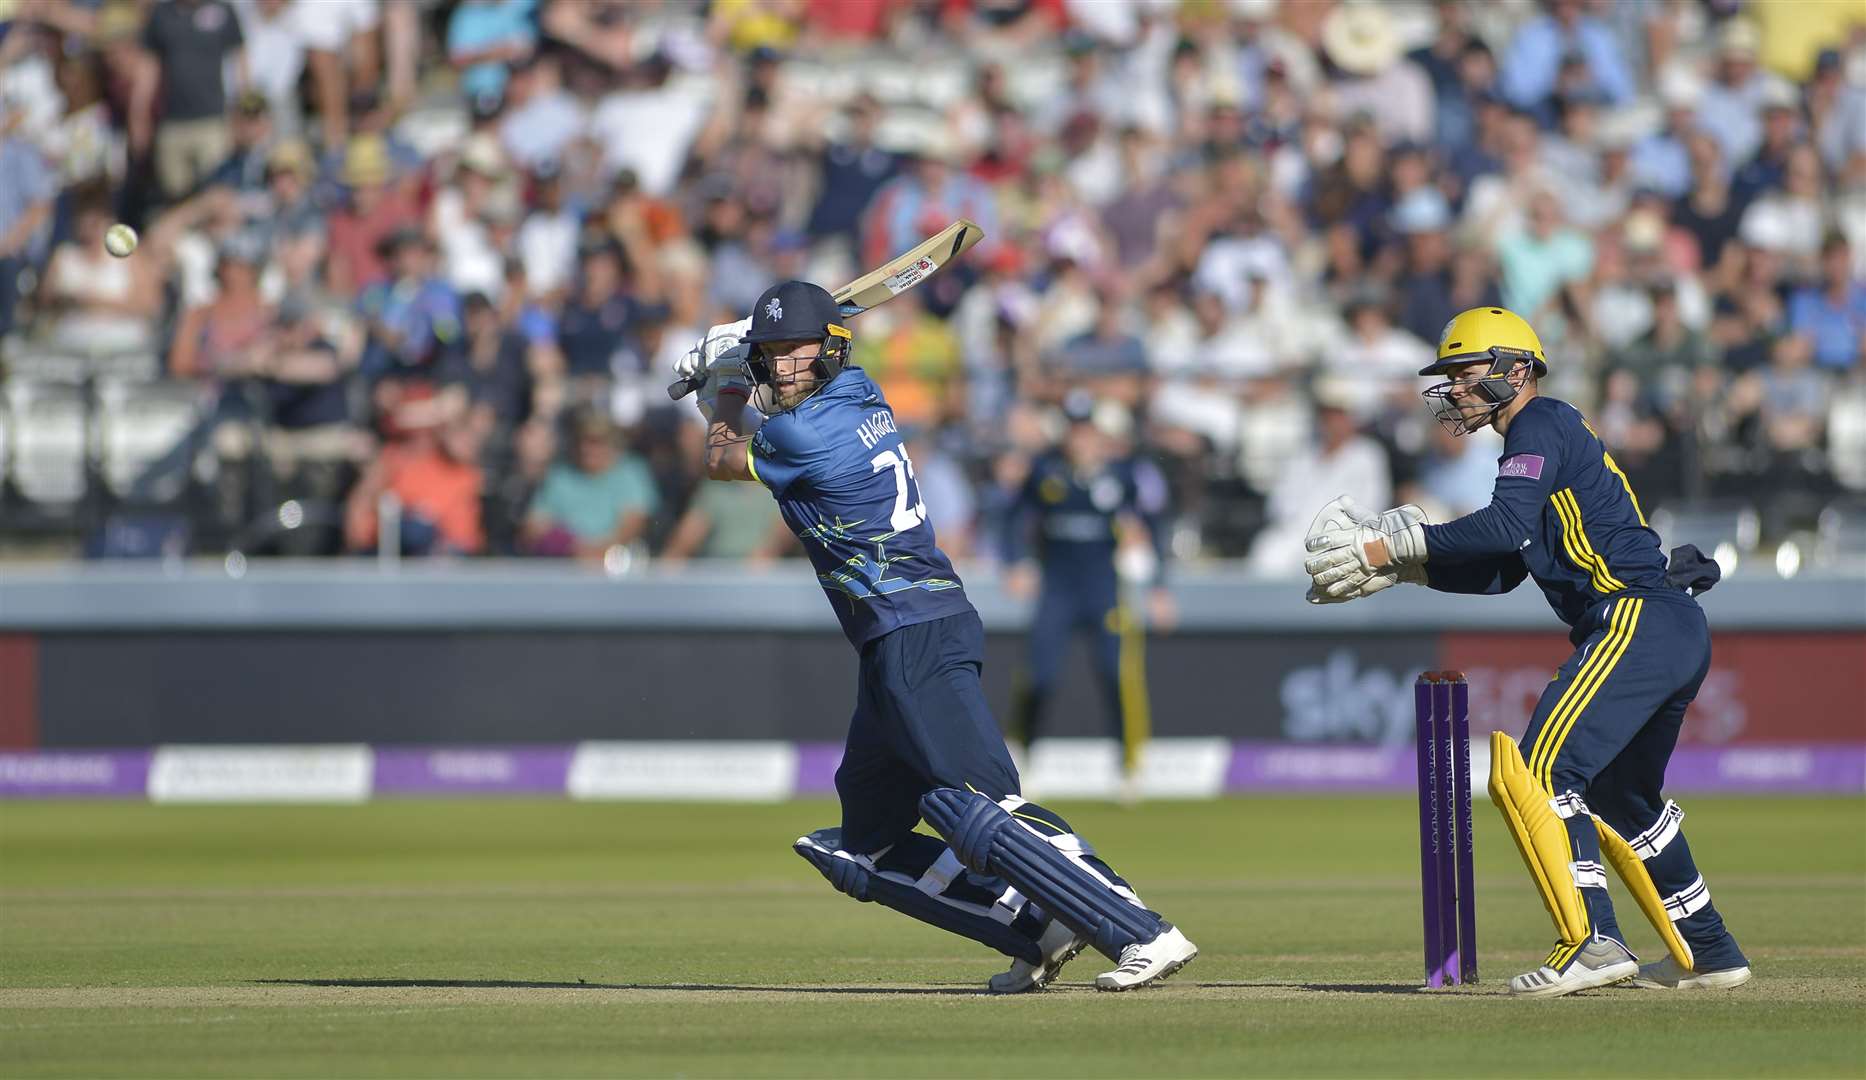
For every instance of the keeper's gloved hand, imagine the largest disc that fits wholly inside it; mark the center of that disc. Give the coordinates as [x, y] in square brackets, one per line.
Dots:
[1338, 565]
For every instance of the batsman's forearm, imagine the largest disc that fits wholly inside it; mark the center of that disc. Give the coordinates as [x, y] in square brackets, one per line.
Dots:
[727, 434]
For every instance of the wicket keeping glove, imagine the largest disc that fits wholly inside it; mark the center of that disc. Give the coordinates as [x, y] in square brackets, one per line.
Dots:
[1338, 566]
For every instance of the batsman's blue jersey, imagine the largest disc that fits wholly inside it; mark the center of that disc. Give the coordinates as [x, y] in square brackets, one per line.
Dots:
[1562, 512]
[845, 486]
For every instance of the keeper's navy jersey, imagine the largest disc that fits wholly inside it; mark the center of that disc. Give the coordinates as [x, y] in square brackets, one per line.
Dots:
[1562, 512]
[845, 486]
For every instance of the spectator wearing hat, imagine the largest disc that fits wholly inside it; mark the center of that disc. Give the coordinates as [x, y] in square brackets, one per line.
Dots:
[293, 224]
[603, 497]
[311, 437]
[599, 317]
[497, 376]
[250, 132]
[1422, 220]
[187, 42]
[547, 240]
[1532, 65]
[463, 212]
[1837, 114]
[412, 315]
[1781, 133]
[374, 206]
[1832, 313]
[1375, 77]
[1730, 108]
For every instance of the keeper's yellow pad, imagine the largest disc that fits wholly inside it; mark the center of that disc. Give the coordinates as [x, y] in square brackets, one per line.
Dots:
[1632, 870]
[1540, 836]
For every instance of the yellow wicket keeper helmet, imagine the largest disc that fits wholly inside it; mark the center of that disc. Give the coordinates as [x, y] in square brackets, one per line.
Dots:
[1479, 335]
[1487, 332]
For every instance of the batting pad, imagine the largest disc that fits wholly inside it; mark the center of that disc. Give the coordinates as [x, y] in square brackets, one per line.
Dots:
[1632, 870]
[989, 840]
[1534, 820]
[856, 875]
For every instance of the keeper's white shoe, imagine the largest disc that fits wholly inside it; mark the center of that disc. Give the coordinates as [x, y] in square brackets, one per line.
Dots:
[1601, 962]
[1059, 945]
[1149, 961]
[1667, 975]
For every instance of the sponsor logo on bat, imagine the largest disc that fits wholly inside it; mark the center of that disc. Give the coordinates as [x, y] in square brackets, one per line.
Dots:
[911, 274]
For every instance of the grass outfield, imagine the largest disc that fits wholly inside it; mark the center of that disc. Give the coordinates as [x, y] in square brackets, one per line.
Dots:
[556, 938]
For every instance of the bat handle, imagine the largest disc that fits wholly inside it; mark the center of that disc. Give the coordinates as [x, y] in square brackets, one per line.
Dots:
[680, 388]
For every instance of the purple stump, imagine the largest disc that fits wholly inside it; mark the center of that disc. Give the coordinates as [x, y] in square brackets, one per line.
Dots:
[1461, 773]
[1428, 829]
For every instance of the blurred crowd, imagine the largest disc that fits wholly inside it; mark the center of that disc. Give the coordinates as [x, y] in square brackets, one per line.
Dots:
[413, 272]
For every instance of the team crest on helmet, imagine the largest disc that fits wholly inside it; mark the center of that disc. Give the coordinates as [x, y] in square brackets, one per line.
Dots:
[774, 310]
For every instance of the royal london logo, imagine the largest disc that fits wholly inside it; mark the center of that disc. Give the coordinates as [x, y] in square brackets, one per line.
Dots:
[774, 310]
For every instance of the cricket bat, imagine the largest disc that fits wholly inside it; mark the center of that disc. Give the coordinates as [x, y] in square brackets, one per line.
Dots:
[887, 281]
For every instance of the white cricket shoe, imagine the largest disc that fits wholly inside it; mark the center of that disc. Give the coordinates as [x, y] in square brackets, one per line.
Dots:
[1059, 945]
[1146, 962]
[1601, 962]
[1667, 975]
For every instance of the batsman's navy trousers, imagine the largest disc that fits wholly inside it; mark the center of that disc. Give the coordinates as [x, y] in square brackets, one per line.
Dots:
[921, 722]
[1606, 725]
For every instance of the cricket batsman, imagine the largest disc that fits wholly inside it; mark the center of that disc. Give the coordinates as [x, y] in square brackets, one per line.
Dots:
[1587, 777]
[785, 408]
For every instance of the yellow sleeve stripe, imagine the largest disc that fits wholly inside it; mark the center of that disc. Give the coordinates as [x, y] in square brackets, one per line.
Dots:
[1607, 459]
[1574, 701]
[1580, 532]
[1580, 552]
[751, 461]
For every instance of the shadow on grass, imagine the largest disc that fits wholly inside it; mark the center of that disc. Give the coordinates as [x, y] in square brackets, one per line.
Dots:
[696, 988]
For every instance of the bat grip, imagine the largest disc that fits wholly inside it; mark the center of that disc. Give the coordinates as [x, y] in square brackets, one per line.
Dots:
[680, 388]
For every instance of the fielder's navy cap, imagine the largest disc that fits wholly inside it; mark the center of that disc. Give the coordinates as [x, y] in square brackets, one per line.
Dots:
[793, 311]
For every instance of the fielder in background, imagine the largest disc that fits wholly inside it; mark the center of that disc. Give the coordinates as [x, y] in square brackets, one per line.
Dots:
[1081, 514]
[1563, 513]
[922, 742]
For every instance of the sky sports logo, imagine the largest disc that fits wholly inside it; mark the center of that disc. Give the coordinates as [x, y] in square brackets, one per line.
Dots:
[1524, 466]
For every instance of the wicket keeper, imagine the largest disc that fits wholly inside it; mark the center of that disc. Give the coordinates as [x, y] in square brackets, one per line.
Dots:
[922, 742]
[1588, 776]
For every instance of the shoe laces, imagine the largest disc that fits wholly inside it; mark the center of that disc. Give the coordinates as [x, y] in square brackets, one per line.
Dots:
[1133, 960]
